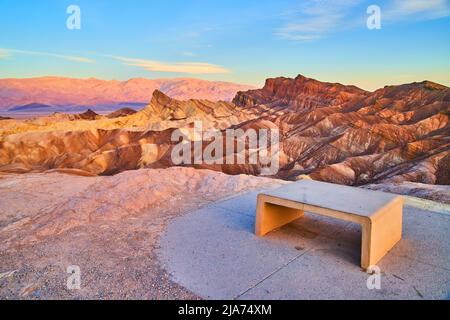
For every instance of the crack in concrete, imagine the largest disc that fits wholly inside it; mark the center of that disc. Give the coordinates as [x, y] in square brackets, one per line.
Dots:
[273, 273]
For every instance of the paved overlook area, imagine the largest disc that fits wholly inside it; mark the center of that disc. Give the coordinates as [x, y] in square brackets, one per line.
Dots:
[169, 234]
[213, 253]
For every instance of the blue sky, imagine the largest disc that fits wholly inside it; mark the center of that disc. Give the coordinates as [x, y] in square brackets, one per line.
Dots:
[243, 41]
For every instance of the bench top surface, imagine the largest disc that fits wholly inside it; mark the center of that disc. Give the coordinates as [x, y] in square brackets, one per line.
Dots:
[346, 199]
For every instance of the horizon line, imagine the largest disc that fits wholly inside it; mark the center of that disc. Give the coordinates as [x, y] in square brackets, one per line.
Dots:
[256, 86]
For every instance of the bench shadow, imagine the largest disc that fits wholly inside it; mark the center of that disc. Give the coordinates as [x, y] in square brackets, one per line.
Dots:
[335, 237]
[338, 238]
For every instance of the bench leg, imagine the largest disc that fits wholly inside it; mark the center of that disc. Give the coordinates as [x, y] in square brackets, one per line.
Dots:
[380, 235]
[270, 216]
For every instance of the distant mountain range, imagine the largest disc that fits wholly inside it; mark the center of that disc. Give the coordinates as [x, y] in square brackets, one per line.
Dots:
[31, 107]
[70, 94]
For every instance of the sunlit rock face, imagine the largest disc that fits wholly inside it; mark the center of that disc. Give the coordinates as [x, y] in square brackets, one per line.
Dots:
[299, 94]
[330, 132]
[345, 135]
[164, 112]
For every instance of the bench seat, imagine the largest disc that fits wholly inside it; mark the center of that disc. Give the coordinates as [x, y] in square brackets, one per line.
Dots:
[379, 214]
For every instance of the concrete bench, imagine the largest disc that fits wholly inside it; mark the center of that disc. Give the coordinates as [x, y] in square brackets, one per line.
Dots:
[379, 214]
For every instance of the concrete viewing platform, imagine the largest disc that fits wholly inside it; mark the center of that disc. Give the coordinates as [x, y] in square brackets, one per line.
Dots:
[214, 253]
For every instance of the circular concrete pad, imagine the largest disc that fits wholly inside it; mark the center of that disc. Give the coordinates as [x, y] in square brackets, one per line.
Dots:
[214, 253]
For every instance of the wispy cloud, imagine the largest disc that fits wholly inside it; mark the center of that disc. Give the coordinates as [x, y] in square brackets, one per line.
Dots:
[418, 9]
[174, 67]
[4, 54]
[10, 52]
[314, 19]
[189, 54]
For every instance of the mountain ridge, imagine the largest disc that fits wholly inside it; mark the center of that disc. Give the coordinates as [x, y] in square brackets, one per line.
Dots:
[64, 94]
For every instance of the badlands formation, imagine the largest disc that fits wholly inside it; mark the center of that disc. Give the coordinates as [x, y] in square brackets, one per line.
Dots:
[330, 132]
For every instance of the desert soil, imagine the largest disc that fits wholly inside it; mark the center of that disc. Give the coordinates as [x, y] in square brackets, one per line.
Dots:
[108, 226]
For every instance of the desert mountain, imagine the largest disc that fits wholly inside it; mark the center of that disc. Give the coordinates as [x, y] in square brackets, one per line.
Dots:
[58, 94]
[161, 113]
[398, 133]
[299, 94]
[330, 132]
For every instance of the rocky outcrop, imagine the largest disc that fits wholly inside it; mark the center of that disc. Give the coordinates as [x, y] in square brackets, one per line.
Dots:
[88, 115]
[169, 109]
[299, 94]
[121, 113]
